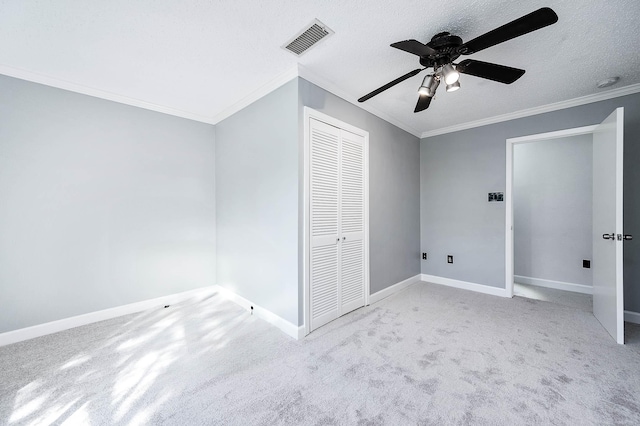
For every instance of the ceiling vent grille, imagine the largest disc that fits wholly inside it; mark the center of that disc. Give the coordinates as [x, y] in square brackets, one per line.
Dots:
[307, 38]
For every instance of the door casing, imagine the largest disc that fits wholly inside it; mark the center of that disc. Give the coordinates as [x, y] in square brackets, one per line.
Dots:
[509, 259]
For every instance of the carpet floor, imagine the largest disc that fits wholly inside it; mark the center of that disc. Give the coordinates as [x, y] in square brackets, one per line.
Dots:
[427, 355]
[567, 298]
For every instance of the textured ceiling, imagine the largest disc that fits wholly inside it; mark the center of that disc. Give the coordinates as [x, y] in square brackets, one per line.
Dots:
[202, 56]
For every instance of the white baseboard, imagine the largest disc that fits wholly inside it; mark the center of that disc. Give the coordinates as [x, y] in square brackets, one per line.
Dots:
[480, 288]
[630, 316]
[27, 333]
[558, 285]
[297, 332]
[392, 289]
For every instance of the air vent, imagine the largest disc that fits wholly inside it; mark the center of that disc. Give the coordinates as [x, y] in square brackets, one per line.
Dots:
[307, 38]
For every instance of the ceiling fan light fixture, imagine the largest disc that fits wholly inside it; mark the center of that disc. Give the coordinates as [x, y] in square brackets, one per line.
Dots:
[429, 86]
[444, 48]
[434, 86]
[450, 74]
[424, 88]
[453, 86]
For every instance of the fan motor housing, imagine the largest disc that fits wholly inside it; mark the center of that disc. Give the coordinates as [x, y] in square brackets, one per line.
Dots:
[446, 45]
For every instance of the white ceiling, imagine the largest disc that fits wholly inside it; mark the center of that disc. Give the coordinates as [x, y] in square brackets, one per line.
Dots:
[199, 57]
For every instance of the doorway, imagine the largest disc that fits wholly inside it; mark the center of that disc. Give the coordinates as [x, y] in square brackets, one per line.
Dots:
[606, 209]
[552, 203]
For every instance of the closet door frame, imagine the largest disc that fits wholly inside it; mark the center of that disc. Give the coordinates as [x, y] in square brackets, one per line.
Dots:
[310, 113]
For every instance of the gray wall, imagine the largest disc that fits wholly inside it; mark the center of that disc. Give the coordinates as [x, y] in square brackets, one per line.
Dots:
[552, 203]
[101, 204]
[458, 169]
[257, 202]
[394, 187]
[259, 176]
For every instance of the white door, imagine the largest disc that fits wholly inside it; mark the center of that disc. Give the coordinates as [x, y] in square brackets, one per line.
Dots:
[337, 223]
[352, 177]
[324, 239]
[608, 305]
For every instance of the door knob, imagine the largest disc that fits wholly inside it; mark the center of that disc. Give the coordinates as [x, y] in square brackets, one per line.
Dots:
[609, 236]
[628, 237]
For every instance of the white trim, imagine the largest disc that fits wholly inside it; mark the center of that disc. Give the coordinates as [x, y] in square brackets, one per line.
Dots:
[320, 116]
[558, 285]
[480, 288]
[508, 222]
[393, 289]
[102, 94]
[308, 114]
[577, 131]
[27, 333]
[619, 221]
[275, 83]
[261, 92]
[630, 316]
[508, 193]
[367, 269]
[336, 90]
[596, 97]
[303, 72]
[306, 208]
[285, 326]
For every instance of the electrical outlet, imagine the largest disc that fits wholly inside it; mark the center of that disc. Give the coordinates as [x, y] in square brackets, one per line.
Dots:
[449, 258]
[586, 263]
[496, 196]
[424, 256]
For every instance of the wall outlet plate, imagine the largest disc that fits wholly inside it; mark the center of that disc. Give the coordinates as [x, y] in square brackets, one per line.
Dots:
[424, 256]
[449, 258]
[586, 263]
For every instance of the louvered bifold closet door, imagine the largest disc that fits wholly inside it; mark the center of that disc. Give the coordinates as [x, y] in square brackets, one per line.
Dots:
[324, 226]
[352, 255]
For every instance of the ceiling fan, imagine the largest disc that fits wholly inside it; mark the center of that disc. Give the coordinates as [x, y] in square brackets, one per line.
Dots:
[444, 48]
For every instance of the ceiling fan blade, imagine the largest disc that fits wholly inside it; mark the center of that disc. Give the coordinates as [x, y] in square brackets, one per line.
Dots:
[390, 84]
[415, 47]
[423, 103]
[495, 72]
[531, 22]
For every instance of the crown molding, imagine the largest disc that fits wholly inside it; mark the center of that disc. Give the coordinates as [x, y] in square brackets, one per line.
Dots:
[262, 91]
[97, 93]
[336, 90]
[301, 71]
[609, 94]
